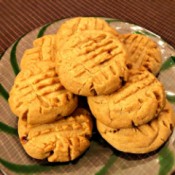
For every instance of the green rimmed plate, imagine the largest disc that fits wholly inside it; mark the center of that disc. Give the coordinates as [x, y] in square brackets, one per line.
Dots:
[100, 158]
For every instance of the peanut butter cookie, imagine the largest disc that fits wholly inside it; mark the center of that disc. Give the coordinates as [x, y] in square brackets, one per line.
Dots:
[140, 100]
[43, 50]
[142, 139]
[80, 24]
[38, 95]
[142, 51]
[92, 63]
[61, 141]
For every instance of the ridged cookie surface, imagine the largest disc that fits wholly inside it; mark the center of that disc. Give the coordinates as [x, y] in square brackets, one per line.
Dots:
[142, 51]
[43, 50]
[142, 139]
[38, 95]
[60, 141]
[80, 24]
[137, 102]
[92, 63]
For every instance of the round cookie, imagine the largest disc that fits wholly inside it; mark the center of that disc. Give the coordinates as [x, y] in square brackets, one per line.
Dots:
[92, 63]
[61, 141]
[80, 24]
[136, 103]
[142, 51]
[43, 50]
[38, 95]
[142, 139]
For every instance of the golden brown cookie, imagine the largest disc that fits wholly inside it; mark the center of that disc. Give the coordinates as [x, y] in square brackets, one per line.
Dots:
[60, 141]
[80, 24]
[92, 63]
[43, 50]
[38, 95]
[142, 139]
[143, 52]
[136, 103]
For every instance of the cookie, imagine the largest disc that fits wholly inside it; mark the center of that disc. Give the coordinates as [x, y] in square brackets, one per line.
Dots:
[38, 95]
[142, 139]
[80, 24]
[43, 50]
[92, 63]
[143, 52]
[140, 100]
[61, 141]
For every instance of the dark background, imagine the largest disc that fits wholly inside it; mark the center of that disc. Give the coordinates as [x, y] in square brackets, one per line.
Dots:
[20, 16]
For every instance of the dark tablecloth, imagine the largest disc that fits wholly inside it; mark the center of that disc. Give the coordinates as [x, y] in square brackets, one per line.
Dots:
[18, 17]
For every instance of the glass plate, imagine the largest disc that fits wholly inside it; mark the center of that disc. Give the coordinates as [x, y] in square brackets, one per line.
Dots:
[100, 158]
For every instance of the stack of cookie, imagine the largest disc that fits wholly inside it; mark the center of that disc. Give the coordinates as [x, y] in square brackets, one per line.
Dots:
[115, 72]
[50, 125]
